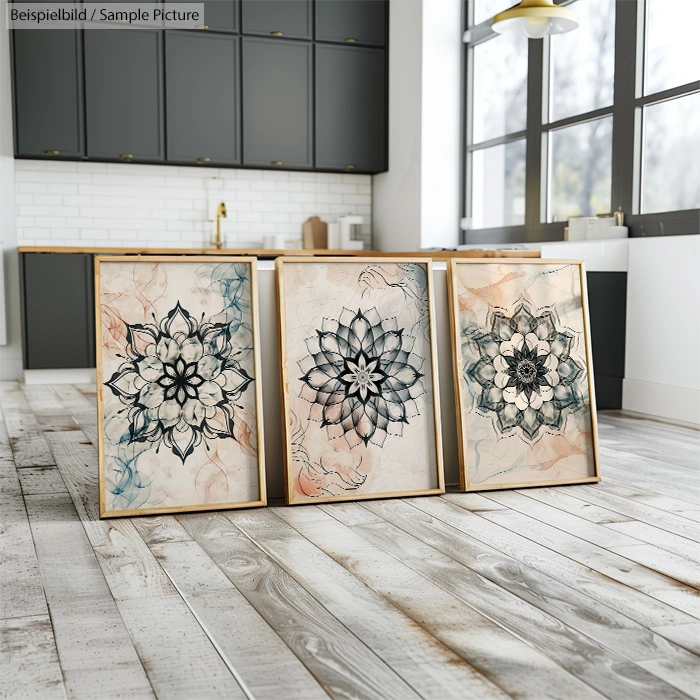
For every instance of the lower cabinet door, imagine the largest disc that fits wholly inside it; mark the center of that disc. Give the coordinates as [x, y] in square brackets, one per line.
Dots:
[124, 94]
[350, 109]
[58, 310]
[277, 103]
[202, 89]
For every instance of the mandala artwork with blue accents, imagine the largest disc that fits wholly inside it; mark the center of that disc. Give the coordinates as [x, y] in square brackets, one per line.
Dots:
[361, 376]
[179, 382]
[526, 375]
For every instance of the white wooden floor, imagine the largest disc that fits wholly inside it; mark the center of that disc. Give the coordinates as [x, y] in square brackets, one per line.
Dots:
[570, 592]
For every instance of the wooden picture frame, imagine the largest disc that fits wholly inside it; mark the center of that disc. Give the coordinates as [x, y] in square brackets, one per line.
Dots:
[212, 446]
[324, 467]
[499, 287]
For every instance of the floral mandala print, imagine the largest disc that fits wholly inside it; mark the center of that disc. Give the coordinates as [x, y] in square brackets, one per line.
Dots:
[361, 376]
[179, 382]
[525, 372]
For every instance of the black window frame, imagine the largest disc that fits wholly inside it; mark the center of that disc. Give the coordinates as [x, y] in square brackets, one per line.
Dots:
[627, 136]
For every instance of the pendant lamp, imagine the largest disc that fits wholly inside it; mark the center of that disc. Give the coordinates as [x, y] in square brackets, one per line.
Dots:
[535, 19]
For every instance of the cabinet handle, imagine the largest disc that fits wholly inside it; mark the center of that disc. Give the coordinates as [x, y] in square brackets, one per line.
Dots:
[202, 26]
[351, 41]
[51, 153]
[276, 33]
[276, 162]
[203, 160]
[349, 167]
[126, 156]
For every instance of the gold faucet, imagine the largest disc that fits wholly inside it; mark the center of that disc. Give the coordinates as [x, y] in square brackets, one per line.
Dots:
[221, 211]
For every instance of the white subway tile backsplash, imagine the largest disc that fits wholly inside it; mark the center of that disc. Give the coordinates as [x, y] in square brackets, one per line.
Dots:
[344, 189]
[127, 204]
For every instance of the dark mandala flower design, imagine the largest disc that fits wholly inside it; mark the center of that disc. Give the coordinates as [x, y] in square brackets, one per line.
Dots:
[179, 382]
[525, 371]
[360, 376]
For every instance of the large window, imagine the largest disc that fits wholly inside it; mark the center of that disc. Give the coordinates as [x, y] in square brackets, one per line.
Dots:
[601, 119]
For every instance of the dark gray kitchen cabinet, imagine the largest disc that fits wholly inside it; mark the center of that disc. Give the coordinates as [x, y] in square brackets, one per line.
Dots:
[202, 97]
[280, 18]
[124, 94]
[48, 92]
[219, 16]
[607, 304]
[350, 89]
[58, 309]
[352, 21]
[277, 103]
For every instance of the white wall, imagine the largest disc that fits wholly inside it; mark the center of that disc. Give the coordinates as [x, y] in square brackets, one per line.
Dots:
[416, 203]
[397, 193]
[441, 154]
[10, 354]
[127, 204]
[662, 345]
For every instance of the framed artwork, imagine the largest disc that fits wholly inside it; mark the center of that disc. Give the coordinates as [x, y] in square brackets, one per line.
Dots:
[359, 379]
[523, 373]
[178, 384]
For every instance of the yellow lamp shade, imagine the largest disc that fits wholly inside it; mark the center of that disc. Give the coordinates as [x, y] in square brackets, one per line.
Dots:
[535, 19]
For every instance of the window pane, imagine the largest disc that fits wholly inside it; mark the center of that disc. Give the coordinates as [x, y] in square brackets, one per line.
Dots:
[498, 185]
[671, 164]
[672, 56]
[580, 167]
[500, 87]
[485, 9]
[583, 61]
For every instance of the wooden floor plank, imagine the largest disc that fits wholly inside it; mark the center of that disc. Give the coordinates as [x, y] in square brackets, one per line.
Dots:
[429, 667]
[159, 529]
[179, 658]
[261, 660]
[635, 642]
[29, 666]
[673, 486]
[612, 631]
[636, 530]
[619, 596]
[676, 506]
[344, 666]
[35, 480]
[134, 577]
[461, 622]
[128, 565]
[21, 590]
[26, 438]
[659, 443]
[651, 556]
[638, 511]
[663, 588]
[569, 592]
[73, 399]
[563, 499]
[94, 647]
[678, 479]
[662, 539]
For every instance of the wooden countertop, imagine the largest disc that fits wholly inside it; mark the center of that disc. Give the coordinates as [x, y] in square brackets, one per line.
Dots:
[257, 252]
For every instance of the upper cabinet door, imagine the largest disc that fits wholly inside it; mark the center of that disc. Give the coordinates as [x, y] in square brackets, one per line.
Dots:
[352, 21]
[48, 84]
[350, 109]
[277, 103]
[124, 94]
[219, 15]
[280, 18]
[201, 80]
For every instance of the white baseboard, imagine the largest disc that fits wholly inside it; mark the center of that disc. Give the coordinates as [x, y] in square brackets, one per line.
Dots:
[669, 402]
[59, 376]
